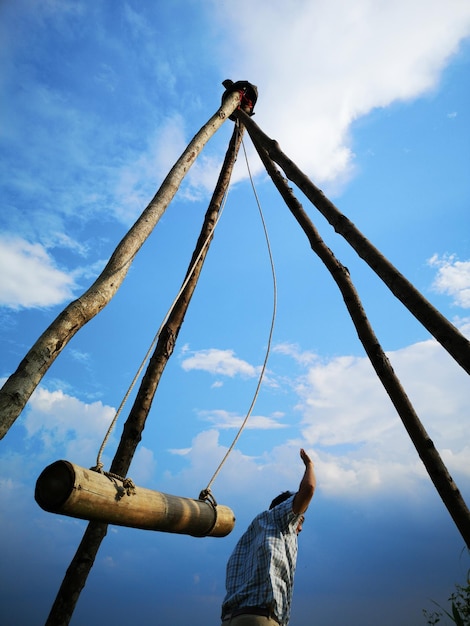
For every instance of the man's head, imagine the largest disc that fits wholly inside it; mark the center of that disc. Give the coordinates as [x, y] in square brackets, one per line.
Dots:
[281, 498]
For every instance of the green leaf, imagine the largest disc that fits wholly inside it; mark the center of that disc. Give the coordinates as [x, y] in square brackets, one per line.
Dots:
[456, 615]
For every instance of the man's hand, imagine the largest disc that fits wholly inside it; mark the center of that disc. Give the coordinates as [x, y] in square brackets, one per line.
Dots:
[306, 487]
[305, 458]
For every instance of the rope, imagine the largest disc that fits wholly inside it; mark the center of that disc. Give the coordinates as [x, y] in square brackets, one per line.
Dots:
[99, 464]
[206, 493]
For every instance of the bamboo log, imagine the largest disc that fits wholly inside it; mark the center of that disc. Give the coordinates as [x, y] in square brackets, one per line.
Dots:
[68, 489]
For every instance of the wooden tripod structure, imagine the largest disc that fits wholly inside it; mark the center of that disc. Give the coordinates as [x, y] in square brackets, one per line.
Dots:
[237, 104]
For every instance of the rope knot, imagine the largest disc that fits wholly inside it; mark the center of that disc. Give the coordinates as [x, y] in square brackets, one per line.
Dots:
[206, 496]
[129, 486]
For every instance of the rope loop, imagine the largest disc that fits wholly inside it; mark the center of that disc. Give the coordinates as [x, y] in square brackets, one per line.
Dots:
[207, 496]
[97, 468]
[271, 330]
[170, 339]
[128, 485]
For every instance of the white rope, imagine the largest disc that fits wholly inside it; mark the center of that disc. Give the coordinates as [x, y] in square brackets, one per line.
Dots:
[206, 492]
[99, 464]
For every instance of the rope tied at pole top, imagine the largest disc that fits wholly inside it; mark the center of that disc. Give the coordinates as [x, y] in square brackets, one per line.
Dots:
[248, 95]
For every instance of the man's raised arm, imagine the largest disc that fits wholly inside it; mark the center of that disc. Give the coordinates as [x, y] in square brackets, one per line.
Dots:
[306, 487]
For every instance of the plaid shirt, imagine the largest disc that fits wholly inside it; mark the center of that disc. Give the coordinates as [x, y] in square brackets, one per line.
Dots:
[260, 571]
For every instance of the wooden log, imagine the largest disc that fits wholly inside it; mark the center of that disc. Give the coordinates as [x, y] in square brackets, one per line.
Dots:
[68, 489]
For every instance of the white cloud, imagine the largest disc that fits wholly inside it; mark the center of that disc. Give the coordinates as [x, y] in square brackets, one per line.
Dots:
[349, 427]
[315, 79]
[343, 403]
[72, 429]
[29, 277]
[241, 474]
[360, 439]
[179, 451]
[65, 241]
[64, 423]
[225, 419]
[453, 278]
[217, 361]
[280, 468]
[143, 466]
[79, 356]
[352, 431]
[293, 350]
[332, 401]
[463, 324]
[138, 179]
[204, 174]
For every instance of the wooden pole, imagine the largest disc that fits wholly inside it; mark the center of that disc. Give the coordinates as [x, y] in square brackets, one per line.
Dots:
[82, 562]
[68, 489]
[445, 332]
[20, 385]
[135, 423]
[442, 480]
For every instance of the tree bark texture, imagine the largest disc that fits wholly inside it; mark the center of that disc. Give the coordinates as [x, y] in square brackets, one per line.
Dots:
[442, 480]
[77, 573]
[443, 331]
[135, 423]
[20, 385]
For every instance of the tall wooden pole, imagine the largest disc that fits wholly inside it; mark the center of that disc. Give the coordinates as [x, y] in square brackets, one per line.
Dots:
[20, 385]
[442, 480]
[78, 570]
[445, 332]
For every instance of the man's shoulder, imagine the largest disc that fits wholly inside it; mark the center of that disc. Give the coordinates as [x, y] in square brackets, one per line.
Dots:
[283, 514]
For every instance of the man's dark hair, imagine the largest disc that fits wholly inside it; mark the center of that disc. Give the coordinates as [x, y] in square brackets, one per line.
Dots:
[281, 498]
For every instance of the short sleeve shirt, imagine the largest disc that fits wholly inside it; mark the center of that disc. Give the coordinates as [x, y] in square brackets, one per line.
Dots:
[260, 571]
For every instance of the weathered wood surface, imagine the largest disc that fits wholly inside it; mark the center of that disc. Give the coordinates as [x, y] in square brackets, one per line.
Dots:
[456, 344]
[82, 562]
[442, 480]
[71, 490]
[20, 385]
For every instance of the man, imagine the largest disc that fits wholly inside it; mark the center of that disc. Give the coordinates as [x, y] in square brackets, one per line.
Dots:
[260, 571]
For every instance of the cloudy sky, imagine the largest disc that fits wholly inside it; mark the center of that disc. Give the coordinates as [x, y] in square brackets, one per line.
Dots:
[370, 99]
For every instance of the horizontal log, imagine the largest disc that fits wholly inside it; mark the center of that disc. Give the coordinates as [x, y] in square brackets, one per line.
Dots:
[68, 489]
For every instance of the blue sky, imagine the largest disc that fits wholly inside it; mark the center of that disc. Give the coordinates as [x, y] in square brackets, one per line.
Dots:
[370, 99]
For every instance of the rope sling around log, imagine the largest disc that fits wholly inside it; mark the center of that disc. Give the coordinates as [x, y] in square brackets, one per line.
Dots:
[98, 496]
[206, 493]
[68, 489]
[94, 495]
